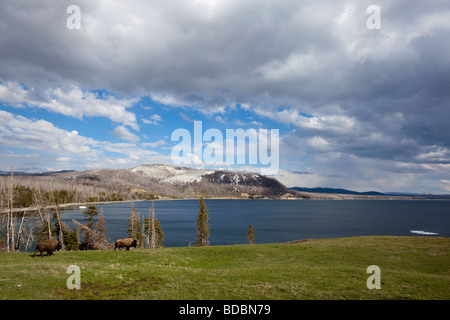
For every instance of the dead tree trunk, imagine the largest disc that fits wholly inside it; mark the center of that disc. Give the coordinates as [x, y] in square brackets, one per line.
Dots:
[11, 217]
[45, 219]
[61, 235]
[19, 233]
[152, 225]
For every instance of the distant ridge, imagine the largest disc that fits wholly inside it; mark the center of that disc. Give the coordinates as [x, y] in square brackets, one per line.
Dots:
[155, 181]
[338, 191]
[165, 180]
[324, 190]
[22, 173]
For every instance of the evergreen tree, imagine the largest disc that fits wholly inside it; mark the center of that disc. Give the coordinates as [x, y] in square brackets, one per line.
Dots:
[251, 234]
[89, 215]
[72, 240]
[202, 225]
[41, 232]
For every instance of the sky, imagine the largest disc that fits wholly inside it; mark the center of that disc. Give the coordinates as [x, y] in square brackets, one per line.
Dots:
[355, 106]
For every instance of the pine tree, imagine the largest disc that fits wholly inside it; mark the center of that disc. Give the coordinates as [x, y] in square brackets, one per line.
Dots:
[251, 234]
[89, 215]
[202, 225]
[72, 240]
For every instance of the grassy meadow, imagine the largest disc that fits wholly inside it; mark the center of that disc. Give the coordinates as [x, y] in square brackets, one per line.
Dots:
[411, 268]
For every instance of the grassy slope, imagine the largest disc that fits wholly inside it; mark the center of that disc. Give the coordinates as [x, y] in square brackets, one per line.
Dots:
[411, 268]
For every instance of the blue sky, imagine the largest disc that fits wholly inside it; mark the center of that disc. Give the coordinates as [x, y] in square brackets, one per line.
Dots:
[147, 139]
[356, 108]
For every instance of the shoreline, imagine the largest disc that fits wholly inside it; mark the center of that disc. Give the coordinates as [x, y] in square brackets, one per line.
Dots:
[313, 197]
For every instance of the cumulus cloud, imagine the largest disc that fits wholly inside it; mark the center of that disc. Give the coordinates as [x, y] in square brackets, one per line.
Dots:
[154, 144]
[42, 135]
[314, 66]
[72, 101]
[154, 119]
[69, 148]
[123, 133]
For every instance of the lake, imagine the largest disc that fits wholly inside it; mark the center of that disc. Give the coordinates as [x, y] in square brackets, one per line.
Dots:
[281, 220]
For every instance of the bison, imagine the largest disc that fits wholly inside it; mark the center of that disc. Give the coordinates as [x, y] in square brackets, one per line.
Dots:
[125, 243]
[47, 245]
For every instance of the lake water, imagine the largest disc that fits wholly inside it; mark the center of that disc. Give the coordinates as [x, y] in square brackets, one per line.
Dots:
[281, 220]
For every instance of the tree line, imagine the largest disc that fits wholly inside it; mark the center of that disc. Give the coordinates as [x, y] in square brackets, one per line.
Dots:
[91, 233]
[21, 229]
[65, 190]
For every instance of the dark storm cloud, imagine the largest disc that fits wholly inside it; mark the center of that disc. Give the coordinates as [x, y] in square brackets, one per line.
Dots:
[377, 94]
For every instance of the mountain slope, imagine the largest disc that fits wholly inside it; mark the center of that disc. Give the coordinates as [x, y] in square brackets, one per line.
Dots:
[146, 182]
[338, 191]
[213, 182]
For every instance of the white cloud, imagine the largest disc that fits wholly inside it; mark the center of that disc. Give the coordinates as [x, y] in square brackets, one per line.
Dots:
[296, 66]
[71, 101]
[21, 132]
[336, 124]
[319, 143]
[154, 144]
[220, 119]
[280, 61]
[123, 133]
[154, 119]
[68, 148]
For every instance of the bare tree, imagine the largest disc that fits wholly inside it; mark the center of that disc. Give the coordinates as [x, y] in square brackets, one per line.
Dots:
[2, 219]
[148, 228]
[11, 216]
[100, 242]
[101, 239]
[60, 228]
[152, 227]
[19, 232]
[43, 214]
[134, 226]
[152, 230]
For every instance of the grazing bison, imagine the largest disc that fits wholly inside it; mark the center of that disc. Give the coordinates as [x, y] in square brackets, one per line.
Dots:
[47, 245]
[125, 243]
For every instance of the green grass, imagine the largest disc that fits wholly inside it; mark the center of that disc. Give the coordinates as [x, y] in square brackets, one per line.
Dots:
[411, 268]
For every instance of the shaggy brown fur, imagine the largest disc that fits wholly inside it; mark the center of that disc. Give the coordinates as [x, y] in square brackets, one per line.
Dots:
[125, 243]
[47, 245]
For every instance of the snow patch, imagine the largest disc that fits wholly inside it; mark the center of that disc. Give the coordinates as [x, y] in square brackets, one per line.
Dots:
[187, 177]
[170, 174]
[424, 232]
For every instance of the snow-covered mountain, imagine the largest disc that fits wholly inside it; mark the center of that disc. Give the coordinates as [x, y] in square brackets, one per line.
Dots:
[157, 180]
[170, 174]
[214, 182]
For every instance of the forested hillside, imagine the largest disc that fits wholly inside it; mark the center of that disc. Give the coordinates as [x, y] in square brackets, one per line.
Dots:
[142, 182]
